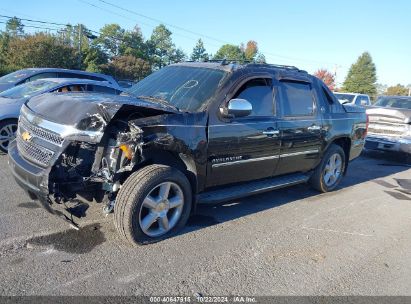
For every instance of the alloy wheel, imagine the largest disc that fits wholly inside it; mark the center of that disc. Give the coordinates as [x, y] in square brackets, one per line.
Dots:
[333, 169]
[161, 209]
[7, 134]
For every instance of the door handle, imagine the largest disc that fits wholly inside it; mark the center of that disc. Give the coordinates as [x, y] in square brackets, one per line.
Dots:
[314, 128]
[269, 132]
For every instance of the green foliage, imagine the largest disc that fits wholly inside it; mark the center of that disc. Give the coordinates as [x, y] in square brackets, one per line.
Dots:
[94, 57]
[199, 52]
[133, 44]
[362, 76]
[14, 27]
[229, 52]
[127, 67]
[398, 90]
[161, 47]
[112, 39]
[39, 50]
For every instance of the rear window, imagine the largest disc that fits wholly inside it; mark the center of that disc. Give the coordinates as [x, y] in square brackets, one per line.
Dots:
[297, 99]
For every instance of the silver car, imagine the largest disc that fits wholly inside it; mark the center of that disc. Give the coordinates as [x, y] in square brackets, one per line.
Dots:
[353, 98]
[390, 124]
[12, 99]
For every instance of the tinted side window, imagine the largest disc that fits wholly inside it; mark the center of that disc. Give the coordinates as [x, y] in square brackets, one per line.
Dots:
[259, 93]
[42, 75]
[101, 89]
[297, 99]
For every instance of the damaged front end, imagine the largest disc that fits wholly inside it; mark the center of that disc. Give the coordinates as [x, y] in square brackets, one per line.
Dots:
[86, 155]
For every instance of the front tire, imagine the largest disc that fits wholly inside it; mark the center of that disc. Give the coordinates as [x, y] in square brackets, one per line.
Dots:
[328, 174]
[154, 203]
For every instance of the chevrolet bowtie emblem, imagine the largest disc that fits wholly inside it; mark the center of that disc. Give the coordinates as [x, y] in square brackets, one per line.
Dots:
[26, 136]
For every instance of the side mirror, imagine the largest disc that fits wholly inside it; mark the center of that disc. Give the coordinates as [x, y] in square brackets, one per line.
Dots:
[237, 108]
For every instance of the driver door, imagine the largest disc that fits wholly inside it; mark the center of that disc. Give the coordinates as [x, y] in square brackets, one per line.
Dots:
[245, 148]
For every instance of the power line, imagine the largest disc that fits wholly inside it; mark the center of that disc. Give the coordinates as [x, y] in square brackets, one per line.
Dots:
[165, 23]
[206, 36]
[37, 21]
[267, 54]
[131, 19]
[37, 27]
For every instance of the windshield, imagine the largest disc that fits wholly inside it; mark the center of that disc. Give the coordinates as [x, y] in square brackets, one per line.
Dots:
[344, 98]
[186, 88]
[28, 89]
[394, 102]
[15, 76]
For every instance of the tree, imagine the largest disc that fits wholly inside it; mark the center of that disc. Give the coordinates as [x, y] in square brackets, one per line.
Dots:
[112, 39]
[327, 77]
[381, 88]
[362, 76]
[229, 52]
[94, 57]
[40, 50]
[134, 44]
[161, 46]
[177, 56]
[14, 27]
[398, 90]
[260, 58]
[127, 67]
[251, 50]
[199, 52]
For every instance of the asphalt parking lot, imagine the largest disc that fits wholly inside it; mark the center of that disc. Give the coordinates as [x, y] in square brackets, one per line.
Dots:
[354, 241]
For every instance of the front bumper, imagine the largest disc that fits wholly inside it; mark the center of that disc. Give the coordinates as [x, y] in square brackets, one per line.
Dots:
[394, 144]
[32, 179]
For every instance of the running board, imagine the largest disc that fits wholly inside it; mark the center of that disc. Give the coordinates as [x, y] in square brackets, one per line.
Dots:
[255, 187]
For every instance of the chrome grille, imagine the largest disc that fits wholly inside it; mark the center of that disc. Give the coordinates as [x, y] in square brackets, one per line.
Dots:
[387, 129]
[34, 152]
[40, 132]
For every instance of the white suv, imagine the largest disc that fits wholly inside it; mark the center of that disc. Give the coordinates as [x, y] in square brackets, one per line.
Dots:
[353, 98]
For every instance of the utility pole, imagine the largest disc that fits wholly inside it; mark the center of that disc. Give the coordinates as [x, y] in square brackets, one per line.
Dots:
[80, 36]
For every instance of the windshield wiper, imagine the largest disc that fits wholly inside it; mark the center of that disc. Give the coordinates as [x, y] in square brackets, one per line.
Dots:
[159, 100]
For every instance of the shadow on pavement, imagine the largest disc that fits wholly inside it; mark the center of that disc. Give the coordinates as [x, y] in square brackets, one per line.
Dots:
[365, 168]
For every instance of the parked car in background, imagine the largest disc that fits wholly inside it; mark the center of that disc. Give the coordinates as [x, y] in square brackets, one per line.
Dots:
[353, 98]
[22, 76]
[390, 124]
[12, 99]
[126, 83]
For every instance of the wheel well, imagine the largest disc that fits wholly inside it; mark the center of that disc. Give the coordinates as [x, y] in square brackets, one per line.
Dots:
[171, 159]
[345, 144]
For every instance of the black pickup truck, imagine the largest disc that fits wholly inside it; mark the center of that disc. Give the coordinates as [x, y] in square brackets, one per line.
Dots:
[190, 133]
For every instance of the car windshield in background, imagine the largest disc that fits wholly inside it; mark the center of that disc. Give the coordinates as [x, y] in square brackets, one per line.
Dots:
[28, 89]
[185, 88]
[344, 98]
[394, 102]
[15, 77]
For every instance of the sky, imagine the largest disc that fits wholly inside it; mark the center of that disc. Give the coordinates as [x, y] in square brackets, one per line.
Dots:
[307, 34]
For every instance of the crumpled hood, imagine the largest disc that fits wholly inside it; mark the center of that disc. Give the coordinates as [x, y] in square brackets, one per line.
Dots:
[86, 111]
[403, 115]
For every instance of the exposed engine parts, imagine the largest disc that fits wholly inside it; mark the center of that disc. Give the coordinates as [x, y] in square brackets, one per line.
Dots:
[88, 169]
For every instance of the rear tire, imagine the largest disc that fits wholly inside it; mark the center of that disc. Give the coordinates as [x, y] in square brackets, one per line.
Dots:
[153, 204]
[8, 129]
[328, 174]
